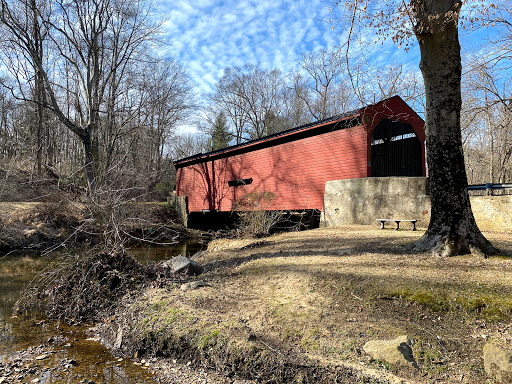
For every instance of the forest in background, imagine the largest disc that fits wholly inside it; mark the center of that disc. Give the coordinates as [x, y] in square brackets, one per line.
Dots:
[92, 96]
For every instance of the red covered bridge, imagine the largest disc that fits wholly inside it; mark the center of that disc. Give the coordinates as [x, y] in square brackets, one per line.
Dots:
[383, 139]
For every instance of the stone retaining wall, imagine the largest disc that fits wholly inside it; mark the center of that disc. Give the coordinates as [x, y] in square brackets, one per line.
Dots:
[180, 205]
[362, 201]
[493, 213]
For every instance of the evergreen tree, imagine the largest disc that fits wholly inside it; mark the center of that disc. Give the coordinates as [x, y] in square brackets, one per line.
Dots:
[220, 132]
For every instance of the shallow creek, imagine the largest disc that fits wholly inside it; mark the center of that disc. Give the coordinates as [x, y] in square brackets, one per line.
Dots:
[55, 352]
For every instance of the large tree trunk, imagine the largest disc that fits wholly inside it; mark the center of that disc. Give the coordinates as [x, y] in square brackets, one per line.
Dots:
[452, 229]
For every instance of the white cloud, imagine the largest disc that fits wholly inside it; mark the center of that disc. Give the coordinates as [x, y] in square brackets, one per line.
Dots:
[186, 130]
[209, 36]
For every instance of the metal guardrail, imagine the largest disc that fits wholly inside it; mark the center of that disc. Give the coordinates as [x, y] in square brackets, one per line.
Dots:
[490, 187]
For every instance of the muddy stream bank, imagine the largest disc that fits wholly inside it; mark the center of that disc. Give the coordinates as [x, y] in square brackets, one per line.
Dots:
[42, 351]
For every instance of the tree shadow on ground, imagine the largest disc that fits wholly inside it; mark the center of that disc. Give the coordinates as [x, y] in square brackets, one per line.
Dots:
[353, 247]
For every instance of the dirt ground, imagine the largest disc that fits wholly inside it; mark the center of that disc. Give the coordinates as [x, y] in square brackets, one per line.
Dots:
[314, 298]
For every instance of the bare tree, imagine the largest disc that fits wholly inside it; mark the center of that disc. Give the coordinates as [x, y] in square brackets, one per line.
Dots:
[147, 116]
[251, 98]
[189, 144]
[171, 101]
[501, 18]
[488, 108]
[226, 99]
[12, 137]
[394, 80]
[93, 42]
[324, 87]
[296, 100]
[34, 87]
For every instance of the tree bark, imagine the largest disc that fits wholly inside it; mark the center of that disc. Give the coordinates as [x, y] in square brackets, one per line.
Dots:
[90, 171]
[38, 88]
[452, 229]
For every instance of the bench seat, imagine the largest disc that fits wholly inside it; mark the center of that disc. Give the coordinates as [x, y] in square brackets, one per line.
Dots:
[397, 221]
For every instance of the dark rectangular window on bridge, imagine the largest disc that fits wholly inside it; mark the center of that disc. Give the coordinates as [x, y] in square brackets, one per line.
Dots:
[237, 182]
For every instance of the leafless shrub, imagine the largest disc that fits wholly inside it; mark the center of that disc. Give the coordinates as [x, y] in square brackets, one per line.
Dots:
[254, 218]
[105, 209]
[116, 219]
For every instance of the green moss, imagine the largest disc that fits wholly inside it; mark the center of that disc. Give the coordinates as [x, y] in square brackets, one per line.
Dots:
[311, 341]
[435, 300]
[475, 304]
[210, 339]
[330, 350]
[158, 305]
[170, 316]
[157, 319]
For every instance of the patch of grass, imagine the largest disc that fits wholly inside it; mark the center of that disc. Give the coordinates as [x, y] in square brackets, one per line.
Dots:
[348, 347]
[294, 323]
[158, 318]
[330, 350]
[383, 364]
[488, 306]
[435, 300]
[227, 346]
[158, 305]
[430, 358]
[211, 339]
[310, 341]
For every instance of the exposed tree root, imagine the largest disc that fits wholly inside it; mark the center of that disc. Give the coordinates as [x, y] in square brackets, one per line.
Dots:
[453, 244]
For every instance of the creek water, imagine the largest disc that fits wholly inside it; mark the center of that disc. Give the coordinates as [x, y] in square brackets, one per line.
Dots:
[95, 362]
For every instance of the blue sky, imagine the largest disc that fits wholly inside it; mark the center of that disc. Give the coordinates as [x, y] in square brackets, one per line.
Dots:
[209, 35]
